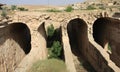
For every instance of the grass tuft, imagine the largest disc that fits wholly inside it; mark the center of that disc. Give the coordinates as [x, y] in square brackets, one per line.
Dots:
[49, 65]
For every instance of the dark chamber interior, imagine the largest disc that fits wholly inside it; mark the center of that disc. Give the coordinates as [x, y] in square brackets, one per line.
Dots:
[21, 34]
[99, 31]
[77, 32]
[108, 30]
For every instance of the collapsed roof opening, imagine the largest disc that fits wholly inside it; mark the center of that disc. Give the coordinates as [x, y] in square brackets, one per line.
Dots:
[77, 32]
[21, 34]
[107, 31]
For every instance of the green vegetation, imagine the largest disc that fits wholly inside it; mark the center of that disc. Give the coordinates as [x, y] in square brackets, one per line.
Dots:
[50, 65]
[109, 48]
[22, 9]
[102, 8]
[69, 9]
[55, 50]
[53, 10]
[54, 62]
[50, 30]
[53, 43]
[13, 7]
[4, 12]
[91, 7]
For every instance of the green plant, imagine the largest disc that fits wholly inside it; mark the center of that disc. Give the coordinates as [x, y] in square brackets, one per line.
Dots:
[22, 9]
[49, 65]
[102, 8]
[91, 7]
[69, 9]
[109, 48]
[13, 7]
[50, 30]
[53, 10]
[55, 50]
[4, 12]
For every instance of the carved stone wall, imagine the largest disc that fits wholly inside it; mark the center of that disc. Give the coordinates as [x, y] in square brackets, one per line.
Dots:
[77, 31]
[14, 45]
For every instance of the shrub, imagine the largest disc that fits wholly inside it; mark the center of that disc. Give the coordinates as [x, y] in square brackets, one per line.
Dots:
[91, 7]
[13, 7]
[22, 9]
[53, 10]
[102, 8]
[4, 12]
[69, 9]
[50, 30]
[55, 50]
[53, 44]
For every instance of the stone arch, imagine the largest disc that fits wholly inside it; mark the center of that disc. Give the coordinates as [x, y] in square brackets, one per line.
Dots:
[41, 30]
[21, 34]
[77, 32]
[99, 29]
[107, 30]
[15, 43]
[78, 39]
